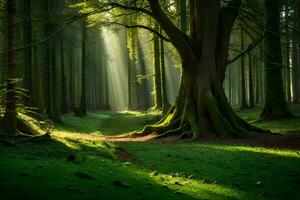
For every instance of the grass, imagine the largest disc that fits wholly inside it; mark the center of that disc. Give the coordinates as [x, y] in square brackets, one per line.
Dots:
[276, 126]
[158, 171]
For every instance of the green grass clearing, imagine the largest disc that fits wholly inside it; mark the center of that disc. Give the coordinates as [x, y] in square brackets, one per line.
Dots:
[159, 171]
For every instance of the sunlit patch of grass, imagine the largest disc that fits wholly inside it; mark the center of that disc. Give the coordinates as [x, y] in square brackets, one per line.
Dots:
[276, 126]
[38, 126]
[124, 122]
[108, 123]
[242, 148]
[250, 172]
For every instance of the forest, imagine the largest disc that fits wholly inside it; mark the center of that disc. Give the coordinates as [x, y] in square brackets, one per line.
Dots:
[149, 99]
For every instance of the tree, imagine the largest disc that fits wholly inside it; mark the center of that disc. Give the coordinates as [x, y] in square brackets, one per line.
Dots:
[244, 104]
[82, 105]
[165, 103]
[158, 101]
[9, 121]
[275, 103]
[296, 49]
[201, 107]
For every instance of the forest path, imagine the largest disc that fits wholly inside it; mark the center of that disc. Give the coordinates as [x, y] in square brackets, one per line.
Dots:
[128, 138]
[116, 126]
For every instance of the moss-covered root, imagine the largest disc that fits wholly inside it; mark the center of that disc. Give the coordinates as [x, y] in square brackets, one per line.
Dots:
[197, 121]
[27, 130]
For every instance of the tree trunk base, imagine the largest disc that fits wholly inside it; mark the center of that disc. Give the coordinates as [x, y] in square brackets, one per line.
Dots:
[269, 114]
[25, 131]
[187, 123]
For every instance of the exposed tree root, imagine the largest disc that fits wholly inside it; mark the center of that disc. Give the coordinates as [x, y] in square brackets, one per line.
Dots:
[275, 114]
[26, 131]
[188, 123]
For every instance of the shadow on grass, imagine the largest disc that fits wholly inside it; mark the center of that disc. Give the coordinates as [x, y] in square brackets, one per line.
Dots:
[259, 172]
[277, 126]
[160, 171]
[41, 171]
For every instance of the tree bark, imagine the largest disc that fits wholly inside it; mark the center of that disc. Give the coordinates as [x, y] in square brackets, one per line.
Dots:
[157, 71]
[201, 107]
[9, 121]
[82, 105]
[275, 103]
[165, 103]
[251, 83]
[243, 103]
[296, 47]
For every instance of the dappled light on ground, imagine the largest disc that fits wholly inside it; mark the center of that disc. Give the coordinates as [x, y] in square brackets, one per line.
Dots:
[81, 164]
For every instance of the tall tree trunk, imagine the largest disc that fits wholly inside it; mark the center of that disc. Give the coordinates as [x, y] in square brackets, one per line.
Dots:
[165, 103]
[275, 104]
[82, 105]
[158, 101]
[251, 82]
[143, 85]
[9, 121]
[27, 40]
[287, 54]
[296, 82]
[201, 107]
[38, 58]
[243, 103]
[53, 72]
[64, 103]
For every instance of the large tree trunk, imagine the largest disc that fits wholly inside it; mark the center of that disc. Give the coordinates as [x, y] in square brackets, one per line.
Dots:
[9, 122]
[82, 105]
[201, 108]
[275, 103]
[38, 56]
[25, 14]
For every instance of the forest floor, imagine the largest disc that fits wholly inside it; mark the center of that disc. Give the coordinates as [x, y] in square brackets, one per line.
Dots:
[81, 164]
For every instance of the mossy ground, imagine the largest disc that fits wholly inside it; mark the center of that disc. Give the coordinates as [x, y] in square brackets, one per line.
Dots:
[78, 164]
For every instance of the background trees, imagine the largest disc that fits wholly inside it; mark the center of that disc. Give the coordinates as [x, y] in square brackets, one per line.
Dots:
[80, 56]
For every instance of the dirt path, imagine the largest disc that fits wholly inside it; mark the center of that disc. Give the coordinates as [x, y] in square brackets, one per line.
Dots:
[126, 138]
[287, 141]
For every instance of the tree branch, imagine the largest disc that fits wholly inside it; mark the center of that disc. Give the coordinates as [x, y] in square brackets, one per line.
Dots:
[177, 37]
[142, 27]
[251, 46]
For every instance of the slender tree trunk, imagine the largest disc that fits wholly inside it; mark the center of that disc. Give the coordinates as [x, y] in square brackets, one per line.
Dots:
[64, 104]
[296, 82]
[38, 58]
[27, 38]
[158, 101]
[9, 121]
[82, 105]
[243, 103]
[53, 67]
[251, 87]
[165, 103]
[143, 85]
[275, 104]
